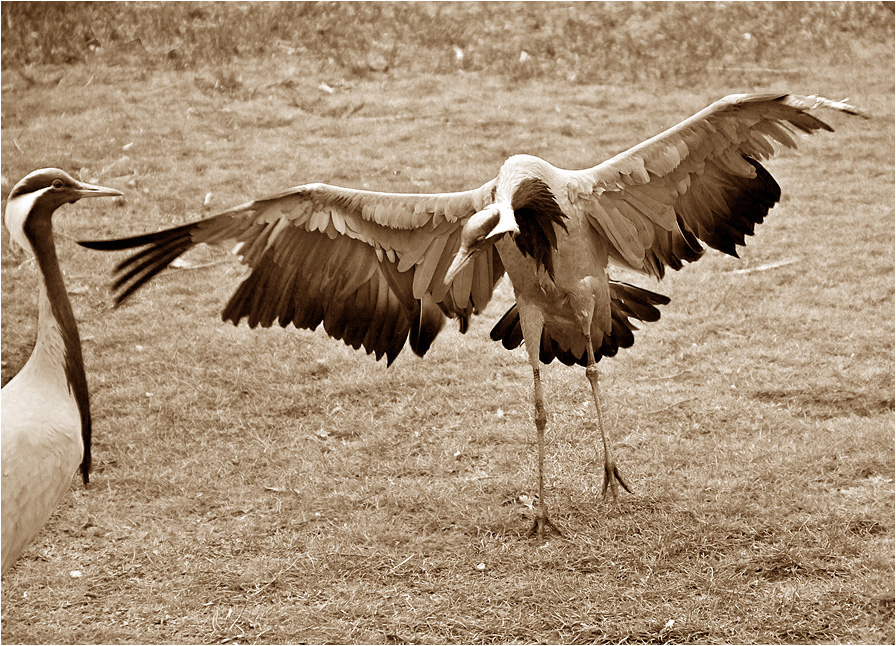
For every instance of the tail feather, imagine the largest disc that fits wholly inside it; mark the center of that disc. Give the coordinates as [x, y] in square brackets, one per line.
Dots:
[627, 302]
[508, 330]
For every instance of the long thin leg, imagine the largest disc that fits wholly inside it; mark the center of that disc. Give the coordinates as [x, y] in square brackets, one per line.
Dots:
[541, 419]
[532, 323]
[611, 473]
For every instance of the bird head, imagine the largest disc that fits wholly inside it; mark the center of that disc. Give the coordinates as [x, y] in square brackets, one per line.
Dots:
[482, 230]
[40, 193]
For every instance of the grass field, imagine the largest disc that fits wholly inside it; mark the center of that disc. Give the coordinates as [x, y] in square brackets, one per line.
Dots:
[274, 486]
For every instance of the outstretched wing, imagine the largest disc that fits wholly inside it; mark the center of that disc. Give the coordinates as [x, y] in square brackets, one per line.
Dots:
[701, 180]
[369, 265]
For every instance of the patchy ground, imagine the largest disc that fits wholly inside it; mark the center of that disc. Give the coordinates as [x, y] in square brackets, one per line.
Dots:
[273, 486]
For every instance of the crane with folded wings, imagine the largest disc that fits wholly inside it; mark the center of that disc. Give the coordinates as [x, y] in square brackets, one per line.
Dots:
[381, 269]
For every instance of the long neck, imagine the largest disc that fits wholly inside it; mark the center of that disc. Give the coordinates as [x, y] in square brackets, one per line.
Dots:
[540, 219]
[57, 352]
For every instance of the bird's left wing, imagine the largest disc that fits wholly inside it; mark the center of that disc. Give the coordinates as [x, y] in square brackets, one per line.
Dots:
[369, 265]
[700, 180]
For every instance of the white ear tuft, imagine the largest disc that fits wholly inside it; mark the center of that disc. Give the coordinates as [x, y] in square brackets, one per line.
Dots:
[17, 210]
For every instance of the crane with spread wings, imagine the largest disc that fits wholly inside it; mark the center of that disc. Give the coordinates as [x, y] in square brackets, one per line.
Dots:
[381, 269]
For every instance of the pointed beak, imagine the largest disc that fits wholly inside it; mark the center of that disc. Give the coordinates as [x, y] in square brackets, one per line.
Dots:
[92, 190]
[482, 230]
[460, 261]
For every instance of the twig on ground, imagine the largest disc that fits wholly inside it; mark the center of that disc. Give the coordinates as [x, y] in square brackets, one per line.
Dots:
[771, 265]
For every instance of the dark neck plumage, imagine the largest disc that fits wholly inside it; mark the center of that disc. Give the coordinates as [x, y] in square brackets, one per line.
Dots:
[537, 214]
[39, 231]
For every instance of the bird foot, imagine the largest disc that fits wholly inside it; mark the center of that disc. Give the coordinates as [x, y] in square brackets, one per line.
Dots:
[538, 528]
[611, 478]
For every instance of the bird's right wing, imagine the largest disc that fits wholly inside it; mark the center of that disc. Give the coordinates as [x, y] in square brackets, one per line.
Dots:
[369, 265]
[700, 180]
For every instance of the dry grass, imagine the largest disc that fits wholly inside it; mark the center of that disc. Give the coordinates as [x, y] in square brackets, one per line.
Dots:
[273, 486]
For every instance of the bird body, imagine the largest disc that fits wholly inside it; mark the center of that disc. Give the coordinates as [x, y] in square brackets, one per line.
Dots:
[573, 285]
[37, 466]
[379, 268]
[46, 424]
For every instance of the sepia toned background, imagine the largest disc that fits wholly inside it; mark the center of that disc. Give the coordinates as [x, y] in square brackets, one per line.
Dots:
[274, 486]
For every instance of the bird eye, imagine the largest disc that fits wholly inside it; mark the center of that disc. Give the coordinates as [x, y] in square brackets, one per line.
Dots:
[57, 183]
